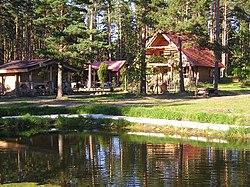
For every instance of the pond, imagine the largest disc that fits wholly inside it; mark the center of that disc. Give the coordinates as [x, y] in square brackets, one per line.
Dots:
[79, 159]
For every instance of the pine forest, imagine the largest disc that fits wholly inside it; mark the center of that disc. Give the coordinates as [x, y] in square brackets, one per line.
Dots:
[84, 31]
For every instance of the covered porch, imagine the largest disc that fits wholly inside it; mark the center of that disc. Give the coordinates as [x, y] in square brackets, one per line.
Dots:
[34, 77]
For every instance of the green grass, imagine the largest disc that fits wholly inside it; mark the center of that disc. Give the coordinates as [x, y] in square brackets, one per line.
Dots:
[27, 184]
[29, 125]
[232, 111]
[232, 108]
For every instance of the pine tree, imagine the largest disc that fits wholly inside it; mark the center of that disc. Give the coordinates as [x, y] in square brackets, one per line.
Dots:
[217, 43]
[66, 36]
[144, 20]
[239, 43]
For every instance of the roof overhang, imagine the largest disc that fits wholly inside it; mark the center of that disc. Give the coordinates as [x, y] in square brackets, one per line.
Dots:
[34, 66]
[6, 71]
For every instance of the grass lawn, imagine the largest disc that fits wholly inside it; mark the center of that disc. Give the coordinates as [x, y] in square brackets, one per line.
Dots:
[27, 184]
[231, 107]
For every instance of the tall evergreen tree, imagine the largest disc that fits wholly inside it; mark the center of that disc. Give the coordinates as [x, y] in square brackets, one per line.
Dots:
[144, 20]
[66, 36]
[239, 43]
[217, 43]
[60, 29]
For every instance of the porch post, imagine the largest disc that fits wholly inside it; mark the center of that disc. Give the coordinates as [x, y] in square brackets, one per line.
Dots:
[50, 73]
[94, 79]
[191, 73]
[17, 84]
[157, 83]
[51, 83]
[68, 76]
[197, 76]
[89, 76]
[125, 83]
[31, 81]
[3, 80]
[171, 69]
[110, 76]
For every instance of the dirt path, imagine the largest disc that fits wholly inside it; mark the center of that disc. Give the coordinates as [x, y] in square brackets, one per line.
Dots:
[77, 100]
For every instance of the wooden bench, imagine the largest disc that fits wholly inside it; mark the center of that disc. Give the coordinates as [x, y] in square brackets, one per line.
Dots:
[206, 92]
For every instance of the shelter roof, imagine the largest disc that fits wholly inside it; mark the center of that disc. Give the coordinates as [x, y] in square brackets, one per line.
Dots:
[18, 66]
[112, 65]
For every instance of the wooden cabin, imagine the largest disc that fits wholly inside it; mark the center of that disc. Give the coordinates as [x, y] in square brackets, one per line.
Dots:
[163, 57]
[33, 77]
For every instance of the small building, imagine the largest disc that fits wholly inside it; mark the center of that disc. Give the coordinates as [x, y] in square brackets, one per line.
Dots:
[197, 62]
[33, 77]
[114, 73]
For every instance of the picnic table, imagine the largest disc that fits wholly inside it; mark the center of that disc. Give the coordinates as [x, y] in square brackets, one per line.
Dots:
[206, 91]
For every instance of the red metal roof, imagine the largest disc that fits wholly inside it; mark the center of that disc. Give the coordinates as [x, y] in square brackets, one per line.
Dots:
[112, 65]
[197, 55]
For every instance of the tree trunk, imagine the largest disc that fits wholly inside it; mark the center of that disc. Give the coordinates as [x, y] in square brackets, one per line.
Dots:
[217, 44]
[60, 81]
[1, 37]
[25, 37]
[211, 23]
[31, 37]
[143, 62]
[91, 27]
[224, 56]
[182, 88]
[17, 46]
[1, 51]
[143, 35]
[120, 30]
[109, 30]
[186, 11]
[5, 50]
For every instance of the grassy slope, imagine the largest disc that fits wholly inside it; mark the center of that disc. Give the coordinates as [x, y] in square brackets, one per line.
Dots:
[231, 108]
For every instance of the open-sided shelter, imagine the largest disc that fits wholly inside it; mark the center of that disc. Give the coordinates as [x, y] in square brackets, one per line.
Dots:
[114, 68]
[29, 77]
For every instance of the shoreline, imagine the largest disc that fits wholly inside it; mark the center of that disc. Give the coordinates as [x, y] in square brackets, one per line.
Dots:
[148, 121]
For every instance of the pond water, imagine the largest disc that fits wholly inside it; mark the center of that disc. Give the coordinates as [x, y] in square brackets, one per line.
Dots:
[110, 160]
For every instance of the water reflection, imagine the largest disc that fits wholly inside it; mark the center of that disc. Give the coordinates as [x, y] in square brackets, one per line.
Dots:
[90, 160]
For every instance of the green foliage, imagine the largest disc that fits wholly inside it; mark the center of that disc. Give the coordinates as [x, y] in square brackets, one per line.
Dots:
[103, 73]
[60, 29]
[29, 125]
[240, 55]
[28, 184]
[10, 111]
[189, 17]
[239, 45]
[240, 132]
